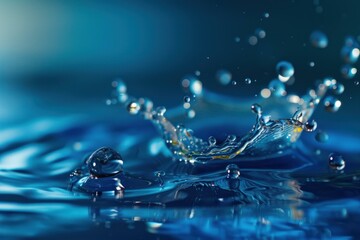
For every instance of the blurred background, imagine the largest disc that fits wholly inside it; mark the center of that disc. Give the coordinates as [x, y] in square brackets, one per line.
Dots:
[58, 58]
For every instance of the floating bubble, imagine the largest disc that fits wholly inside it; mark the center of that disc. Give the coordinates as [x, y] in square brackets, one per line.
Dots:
[105, 162]
[322, 137]
[336, 161]
[310, 126]
[277, 88]
[265, 93]
[332, 104]
[350, 54]
[260, 33]
[133, 107]
[248, 81]
[212, 141]
[232, 171]
[224, 77]
[285, 69]
[348, 71]
[337, 88]
[253, 40]
[318, 39]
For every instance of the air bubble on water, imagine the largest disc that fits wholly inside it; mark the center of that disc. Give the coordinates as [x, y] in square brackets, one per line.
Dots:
[133, 107]
[248, 80]
[321, 137]
[285, 70]
[350, 54]
[212, 141]
[310, 126]
[277, 88]
[190, 113]
[252, 40]
[318, 39]
[348, 71]
[338, 88]
[224, 77]
[232, 171]
[336, 161]
[105, 162]
[332, 104]
[260, 33]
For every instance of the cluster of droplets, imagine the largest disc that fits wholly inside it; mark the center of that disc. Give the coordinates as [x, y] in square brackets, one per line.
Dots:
[349, 55]
[193, 89]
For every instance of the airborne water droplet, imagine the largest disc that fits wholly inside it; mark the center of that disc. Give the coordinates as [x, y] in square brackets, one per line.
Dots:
[133, 107]
[105, 162]
[248, 81]
[318, 39]
[277, 88]
[232, 171]
[336, 161]
[348, 71]
[322, 137]
[224, 77]
[332, 104]
[338, 88]
[285, 69]
[256, 108]
[310, 126]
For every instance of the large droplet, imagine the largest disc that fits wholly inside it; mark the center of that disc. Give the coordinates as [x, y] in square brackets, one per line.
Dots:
[336, 161]
[310, 126]
[285, 69]
[195, 87]
[105, 162]
[224, 77]
[332, 104]
[277, 88]
[318, 39]
[232, 171]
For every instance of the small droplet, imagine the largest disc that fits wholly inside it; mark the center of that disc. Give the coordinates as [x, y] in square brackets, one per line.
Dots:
[310, 126]
[256, 108]
[224, 77]
[232, 171]
[336, 161]
[160, 111]
[121, 87]
[197, 73]
[318, 39]
[233, 83]
[311, 64]
[356, 82]
[187, 99]
[338, 88]
[285, 69]
[348, 71]
[191, 113]
[231, 138]
[277, 88]
[332, 104]
[159, 173]
[322, 137]
[196, 87]
[133, 107]
[237, 39]
[248, 81]
[253, 40]
[105, 162]
[350, 54]
[260, 33]
[212, 141]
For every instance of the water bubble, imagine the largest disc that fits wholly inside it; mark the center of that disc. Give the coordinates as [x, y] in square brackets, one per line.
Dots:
[253, 40]
[310, 126]
[338, 88]
[256, 108]
[248, 81]
[232, 171]
[350, 54]
[356, 83]
[322, 137]
[212, 141]
[318, 39]
[277, 88]
[133, 107]
[187, 99]
[332, 104]
[336, 161]
[348, 71]
[105, 162]
[285, 69]
[224, 77]
[260, 33]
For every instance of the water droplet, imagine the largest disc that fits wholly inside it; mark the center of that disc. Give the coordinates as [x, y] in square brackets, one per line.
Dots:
[190, 113]
[195, 86]
[121, 87]
[277, 88]
[231, 138]
[197, 73]
[224, 77]
[260, 33]
[105, 162]
[212, 141]
[253, 40]
[336, 161]
[297, 115]
[356, 83]
[108, 102]
[248, 81]
[311, 64]
[332, 104]
[322, 137]
[232, 171]
[318, 39]
[187, 99]
[234, 83]
[348, 71]
[133, 107]
[285, 69]
[265, 93]
[310, 126]
[256, 108]
[266, 15]
[237, 39]
[159, 173]
[338, 88]
[350, 54]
